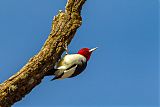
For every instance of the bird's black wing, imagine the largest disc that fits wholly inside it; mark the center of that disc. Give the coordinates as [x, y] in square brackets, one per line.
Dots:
[75, 68]
[79, 69]
[60, 72]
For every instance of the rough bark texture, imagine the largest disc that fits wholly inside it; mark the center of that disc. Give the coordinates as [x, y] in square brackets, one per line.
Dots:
[63, 29]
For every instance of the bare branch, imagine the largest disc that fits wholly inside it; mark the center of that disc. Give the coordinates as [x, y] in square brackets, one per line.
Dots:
[64, 27]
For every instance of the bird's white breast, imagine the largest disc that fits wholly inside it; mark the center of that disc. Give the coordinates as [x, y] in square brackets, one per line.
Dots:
[68, 61]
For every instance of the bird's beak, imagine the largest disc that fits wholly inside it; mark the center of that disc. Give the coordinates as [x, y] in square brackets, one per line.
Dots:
[93, 49]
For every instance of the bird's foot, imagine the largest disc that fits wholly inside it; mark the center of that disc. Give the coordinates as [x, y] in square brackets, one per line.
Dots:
[66, 48]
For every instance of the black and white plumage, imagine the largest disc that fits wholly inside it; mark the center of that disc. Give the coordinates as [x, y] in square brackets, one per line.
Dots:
[71, 65]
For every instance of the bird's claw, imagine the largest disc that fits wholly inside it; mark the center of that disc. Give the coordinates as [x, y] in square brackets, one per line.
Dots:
[66, 48]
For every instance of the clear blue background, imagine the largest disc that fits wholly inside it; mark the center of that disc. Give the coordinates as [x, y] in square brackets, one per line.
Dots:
[122, 72]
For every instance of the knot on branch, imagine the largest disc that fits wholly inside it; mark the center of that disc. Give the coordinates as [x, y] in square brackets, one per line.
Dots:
[74, 6]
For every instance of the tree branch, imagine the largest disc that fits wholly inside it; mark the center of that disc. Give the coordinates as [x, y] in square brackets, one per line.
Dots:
[64, 27]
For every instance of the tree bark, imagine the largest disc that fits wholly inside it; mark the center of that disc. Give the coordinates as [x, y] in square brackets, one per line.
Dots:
[64, 27]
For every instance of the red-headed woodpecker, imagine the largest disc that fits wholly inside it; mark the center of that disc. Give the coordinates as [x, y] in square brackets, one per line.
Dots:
[71, 65]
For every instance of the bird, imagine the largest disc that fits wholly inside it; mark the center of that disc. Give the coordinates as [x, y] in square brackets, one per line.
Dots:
[71, 65]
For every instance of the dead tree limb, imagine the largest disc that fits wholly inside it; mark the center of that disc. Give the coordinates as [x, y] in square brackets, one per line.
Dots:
[64, 27]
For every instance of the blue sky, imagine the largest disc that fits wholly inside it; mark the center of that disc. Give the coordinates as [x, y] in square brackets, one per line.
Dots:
[122, 72]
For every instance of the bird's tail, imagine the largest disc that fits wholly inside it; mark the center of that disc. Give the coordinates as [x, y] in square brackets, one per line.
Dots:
[50, 72]
[57, 76]
[54, 78]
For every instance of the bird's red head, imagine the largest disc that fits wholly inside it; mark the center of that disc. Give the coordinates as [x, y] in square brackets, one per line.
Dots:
[86, 52]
